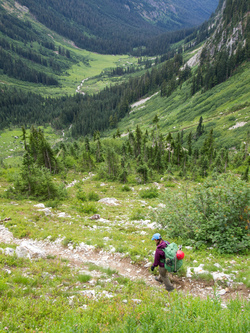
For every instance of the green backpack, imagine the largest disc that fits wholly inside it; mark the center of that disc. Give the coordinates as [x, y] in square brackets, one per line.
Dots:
[171, 263]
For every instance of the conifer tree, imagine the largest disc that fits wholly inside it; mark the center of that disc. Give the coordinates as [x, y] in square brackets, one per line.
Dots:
[199, 129]
[190, 143]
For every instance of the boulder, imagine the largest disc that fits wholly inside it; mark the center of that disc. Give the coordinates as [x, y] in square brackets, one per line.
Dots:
[95, 217]
[137, 301]
[63, 214]
[109, 201]
[5, 234]
[47, 211]
[40, 205]
[27, 250]
[9, 251]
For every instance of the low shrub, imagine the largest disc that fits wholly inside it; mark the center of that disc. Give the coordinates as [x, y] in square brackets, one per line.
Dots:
[66, 241]
[81, 195]
[216, 212]
[88, 208]
[125, 188]
[36, 183]
[93, 196]
[137, 214]
[169, 184]
[149, 193]
[84, 278]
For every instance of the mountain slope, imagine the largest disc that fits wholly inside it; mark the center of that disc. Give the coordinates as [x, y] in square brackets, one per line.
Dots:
[185, 94]
[117, 26]
[175, 14]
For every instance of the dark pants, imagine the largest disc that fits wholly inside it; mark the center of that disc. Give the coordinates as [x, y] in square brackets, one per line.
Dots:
[163, 277]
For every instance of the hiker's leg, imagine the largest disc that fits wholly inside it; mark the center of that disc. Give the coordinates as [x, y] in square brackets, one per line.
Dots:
[158, 278]
[165, 279]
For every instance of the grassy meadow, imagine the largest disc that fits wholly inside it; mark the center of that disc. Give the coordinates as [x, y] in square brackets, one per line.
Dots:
[57, 295]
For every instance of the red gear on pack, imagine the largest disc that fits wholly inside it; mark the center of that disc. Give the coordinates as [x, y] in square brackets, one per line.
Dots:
[180, 255]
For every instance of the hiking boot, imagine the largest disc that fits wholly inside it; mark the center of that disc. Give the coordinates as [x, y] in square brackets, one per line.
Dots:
[169, 289]
[157, 279]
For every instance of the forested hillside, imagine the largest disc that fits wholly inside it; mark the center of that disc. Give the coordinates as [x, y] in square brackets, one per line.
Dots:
[86, 114]
[28, 54]
[117, 27]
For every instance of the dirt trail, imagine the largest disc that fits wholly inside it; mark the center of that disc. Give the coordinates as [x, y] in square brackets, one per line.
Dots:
[88, 254]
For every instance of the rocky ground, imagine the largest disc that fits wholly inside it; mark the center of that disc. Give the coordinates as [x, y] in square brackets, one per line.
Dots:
[84, 253]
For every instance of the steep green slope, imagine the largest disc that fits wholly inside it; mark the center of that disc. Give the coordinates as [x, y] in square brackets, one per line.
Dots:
[222, 108]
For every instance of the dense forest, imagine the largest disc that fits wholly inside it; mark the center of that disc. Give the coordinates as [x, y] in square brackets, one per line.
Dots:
[88, 113]
[111, 26]
[95, 28]
[103, 110]
[29, 55]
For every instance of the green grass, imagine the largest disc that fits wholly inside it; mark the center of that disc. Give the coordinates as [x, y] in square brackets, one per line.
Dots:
[11, 149]
[84, 278]
[54, 292]
[58, 303]
[221, 108]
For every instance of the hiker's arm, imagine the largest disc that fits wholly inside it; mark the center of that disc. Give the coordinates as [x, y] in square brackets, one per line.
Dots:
[157, 258]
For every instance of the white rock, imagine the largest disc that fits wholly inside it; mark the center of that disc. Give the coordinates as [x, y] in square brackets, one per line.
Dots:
[223, 305]
[103, 220]
[106, 294]
[63, 214]
[112, 248]
[217, 265]
[149, 264]
[125, 301]
[196, 270]
[27, 250]
[86, 247]
[161, 205]
[71, 300]
[46, 211]
[240, 124]
[72, 184]
[188, 247]
[109, 201]
[40, 205]
[88, 293]
[92, 282]
[137, 301]
[221, 292]
[9, 251]
[223, 276]
[5, 234]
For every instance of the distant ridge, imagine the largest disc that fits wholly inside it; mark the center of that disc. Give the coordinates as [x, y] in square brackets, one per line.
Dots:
[111, 26]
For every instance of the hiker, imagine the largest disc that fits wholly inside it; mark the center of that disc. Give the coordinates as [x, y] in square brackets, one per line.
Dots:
[158, 261]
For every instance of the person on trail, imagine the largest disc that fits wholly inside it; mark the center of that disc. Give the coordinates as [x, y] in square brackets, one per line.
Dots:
[158, 261]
